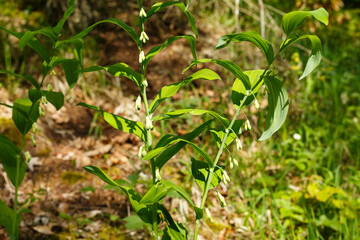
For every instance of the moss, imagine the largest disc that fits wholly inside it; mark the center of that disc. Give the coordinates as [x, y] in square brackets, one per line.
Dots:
[71, 177]
[8, 128]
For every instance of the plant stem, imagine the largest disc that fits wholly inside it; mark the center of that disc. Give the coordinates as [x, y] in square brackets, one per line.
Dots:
[228, 129]
[148, 142]
[268, 66]
[16, 185]
[212, 169]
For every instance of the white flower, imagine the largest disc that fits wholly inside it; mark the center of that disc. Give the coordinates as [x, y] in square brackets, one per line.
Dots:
[141, 56]
[145, 83]
[257, 105]
[247, 125]
[142, 13]
[208, 214]
[41, 111]
[297, 136]
[231, 164]
[222, 200]
[143, 37]
[236, 163]
[142, 151]
[157, 175]
[148, 122]
[33, 140]
[138, 103]
[238, 144]
[35, 127]
[226, 176]
[27, 156]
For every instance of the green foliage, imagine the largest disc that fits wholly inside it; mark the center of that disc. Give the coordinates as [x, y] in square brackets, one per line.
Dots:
[208, 173]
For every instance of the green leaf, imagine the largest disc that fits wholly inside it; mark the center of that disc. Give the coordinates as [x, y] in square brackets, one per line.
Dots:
[118, 70]
[173, 229]
[315, 57]
[194, 112]
[252, 37]
[29, 36]
[79, 46]
[230, 66]
[10, 156]
[100, 173]
[6, 216]
[161, 189]
[33, 43]
[200, 171]
[238, 91]
[55, 98]
[172, 89]
[157, 192]
[334, 223]
[219, 136]
[161, 5]
[120, 123]
[166, 155]
[70, 9]
[134, 222]
[292, 20]
[26, 77]
[155, 50]
[6, 219]
[71, 68]
[278, 106]
[153, 153]
[144, 212]
[117, 22]
[25, 113]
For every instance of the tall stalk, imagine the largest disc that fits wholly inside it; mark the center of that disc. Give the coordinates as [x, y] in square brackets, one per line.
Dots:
[227, 131]
[16, 184]
[143, 86]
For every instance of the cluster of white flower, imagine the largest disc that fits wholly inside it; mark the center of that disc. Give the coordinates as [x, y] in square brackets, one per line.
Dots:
[144, 37]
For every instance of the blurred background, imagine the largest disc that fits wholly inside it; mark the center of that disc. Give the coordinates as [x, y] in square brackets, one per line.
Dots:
[303, 183]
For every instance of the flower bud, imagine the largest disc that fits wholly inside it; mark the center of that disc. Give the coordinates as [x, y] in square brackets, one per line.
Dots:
[33, 141]
[257, 105]
[226, 176]
[35, 127]
[148, 123]
[247, 125]
[208, 214]
[138, 103]
[231, 164]
[44, 100]
[141, 56]
[145, 83]
[236, 163]
[27, 156]
[157, 175]
[49, 87]
[142, 13]
[222, 200]
[238, 144]
[142, 151]
[143, 37]
[41, 111]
